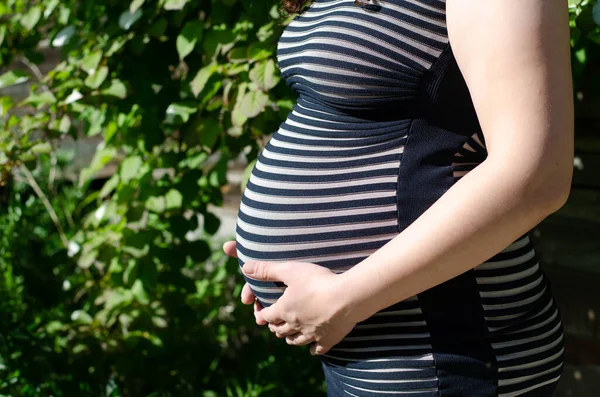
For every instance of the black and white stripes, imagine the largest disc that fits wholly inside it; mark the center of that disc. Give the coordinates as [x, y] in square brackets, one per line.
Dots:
[340, 177]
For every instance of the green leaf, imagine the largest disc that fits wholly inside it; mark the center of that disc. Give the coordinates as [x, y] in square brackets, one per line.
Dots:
[6, 103]
[139, 293]
[204, 131]
[91, 61]
[50, 7]
[101, 158]
[109, 186]
[37, 100]
[81, 316]
[62, 125]
[95, 79]
[179, 112]
[132, 269]
[156, 204]
[74, 96]
[238, 118]
[264, 74]
[158, 28]
[189, 36]
[159, 322]
[211, 223]
[155, 340]
[53, 327]
[258, 51]
[13, 77]
[198, 83]
[586, 20]
[135, 5]
[42, 148]
[130, 168]
[110, 131]
[63, 36]
[581, 55]
[175, 4]
[128, 18]
[596, 13]
[116, 88]
[238, 55]
[218, 40]
[249, 105]
[31, 17]
[173, 199]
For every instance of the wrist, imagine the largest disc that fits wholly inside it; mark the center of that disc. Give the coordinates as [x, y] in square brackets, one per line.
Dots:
[354, 301]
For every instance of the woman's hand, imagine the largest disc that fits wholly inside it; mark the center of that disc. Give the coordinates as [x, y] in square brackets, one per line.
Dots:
[247, 296]
[313, 307]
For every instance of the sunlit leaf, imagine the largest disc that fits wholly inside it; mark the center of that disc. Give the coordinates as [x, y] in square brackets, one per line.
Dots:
[198, 83]
[101, 158]
[63, 36]
[173, 199]
[130, 168]
[135, 5]
[95, 80]
[116, 88]
[128, 18]
[156, 204]
[81, 316]
[109, 186]
[139, 293]
[31, 17]
[180, 112]
[258, 51]
[188, 37]
[73, 97]
[596, 13]
[50, 7]
[264, 74]
[175, 4]
[13, 77]
[91, 61]
[43, 98]
[42, 148]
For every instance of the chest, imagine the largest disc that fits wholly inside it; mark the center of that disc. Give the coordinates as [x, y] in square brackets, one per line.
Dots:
[347, 55]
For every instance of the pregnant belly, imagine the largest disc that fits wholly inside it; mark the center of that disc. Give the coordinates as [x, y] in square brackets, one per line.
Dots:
[321, 195]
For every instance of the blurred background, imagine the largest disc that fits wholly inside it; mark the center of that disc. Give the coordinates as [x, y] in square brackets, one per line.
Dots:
[127, 131]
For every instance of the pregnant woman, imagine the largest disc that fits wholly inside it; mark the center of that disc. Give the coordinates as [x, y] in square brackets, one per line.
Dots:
[386, 221]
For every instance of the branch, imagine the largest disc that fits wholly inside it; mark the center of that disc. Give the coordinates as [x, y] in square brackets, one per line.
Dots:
[36, 188]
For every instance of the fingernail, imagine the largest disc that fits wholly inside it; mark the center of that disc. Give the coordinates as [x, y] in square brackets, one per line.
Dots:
[249, 267]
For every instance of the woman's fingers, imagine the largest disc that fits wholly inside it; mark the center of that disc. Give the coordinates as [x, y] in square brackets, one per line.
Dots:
[257, 308]
[298, 339]
[247, 295]
[283, 329]
[229, 248]
[318, 349]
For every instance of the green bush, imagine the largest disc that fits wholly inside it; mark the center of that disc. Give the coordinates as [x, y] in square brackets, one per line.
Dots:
[142, 301]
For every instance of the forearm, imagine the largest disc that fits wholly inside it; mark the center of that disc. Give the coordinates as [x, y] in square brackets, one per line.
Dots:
[476, 218]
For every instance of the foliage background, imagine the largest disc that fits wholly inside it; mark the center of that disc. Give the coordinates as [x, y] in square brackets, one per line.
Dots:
[120, 288]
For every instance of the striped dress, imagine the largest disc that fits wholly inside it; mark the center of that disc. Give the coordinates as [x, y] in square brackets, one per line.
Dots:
[382, 127]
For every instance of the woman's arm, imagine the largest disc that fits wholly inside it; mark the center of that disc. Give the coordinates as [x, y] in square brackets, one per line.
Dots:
[515, 58]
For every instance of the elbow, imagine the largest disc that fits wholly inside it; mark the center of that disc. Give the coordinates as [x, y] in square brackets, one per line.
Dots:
[544, 186]
[550, 190]
[553, 194]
